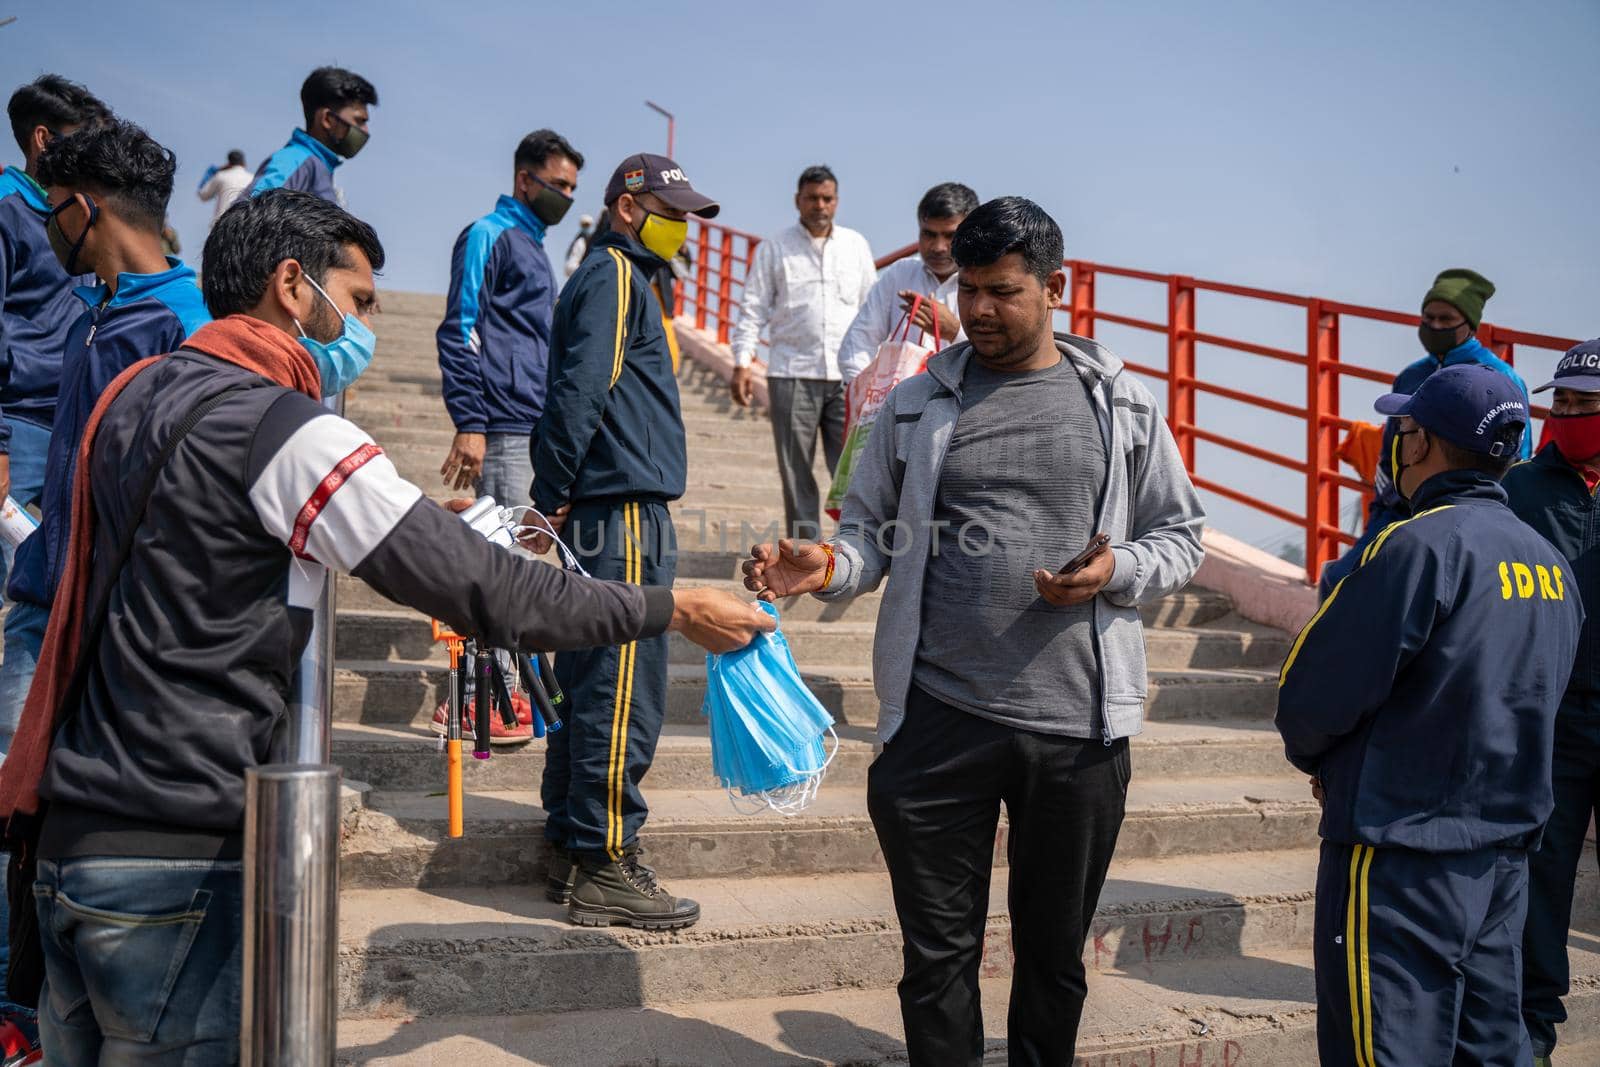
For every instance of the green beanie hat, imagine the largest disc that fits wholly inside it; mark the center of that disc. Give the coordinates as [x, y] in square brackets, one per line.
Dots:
[1465, 290]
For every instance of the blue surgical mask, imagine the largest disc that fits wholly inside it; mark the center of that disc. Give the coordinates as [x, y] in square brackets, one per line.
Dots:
[344, 359]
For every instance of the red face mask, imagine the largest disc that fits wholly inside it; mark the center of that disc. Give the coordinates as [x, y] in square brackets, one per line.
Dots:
[1577, 436]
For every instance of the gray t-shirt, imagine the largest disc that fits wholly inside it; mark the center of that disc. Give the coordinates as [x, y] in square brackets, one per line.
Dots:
[1018, 492]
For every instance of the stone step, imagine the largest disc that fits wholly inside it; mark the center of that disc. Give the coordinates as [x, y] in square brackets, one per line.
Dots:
[436, 953]
[1200, 1013]
[399, 839]
[408, 759]
[406, 636]
[392, 692]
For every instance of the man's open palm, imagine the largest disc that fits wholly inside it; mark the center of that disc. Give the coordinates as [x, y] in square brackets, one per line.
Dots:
[789, 568]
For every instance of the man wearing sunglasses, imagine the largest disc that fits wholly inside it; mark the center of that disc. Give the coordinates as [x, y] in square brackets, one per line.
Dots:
[336, 103]
[108, 187]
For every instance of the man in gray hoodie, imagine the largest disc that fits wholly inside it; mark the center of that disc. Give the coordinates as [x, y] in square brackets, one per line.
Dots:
[1009, 663]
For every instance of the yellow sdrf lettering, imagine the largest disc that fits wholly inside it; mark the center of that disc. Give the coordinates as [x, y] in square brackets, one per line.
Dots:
[1524, 578]
[1525, 581]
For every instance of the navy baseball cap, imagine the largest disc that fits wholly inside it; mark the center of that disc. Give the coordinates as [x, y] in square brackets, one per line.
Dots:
[1472, 407]
[646, 173]
[1579, 369]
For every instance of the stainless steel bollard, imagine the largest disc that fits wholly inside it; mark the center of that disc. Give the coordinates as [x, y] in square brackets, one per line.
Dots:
[291, 916]
[289, 1002]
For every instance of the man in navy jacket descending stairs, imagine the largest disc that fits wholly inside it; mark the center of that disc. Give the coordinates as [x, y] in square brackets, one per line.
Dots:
[1422, 699]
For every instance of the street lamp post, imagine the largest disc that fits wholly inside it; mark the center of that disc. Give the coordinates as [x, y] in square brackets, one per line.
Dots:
[671, 122]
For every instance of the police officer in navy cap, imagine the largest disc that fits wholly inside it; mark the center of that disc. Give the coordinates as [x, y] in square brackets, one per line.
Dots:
[1555, 494]
[1422, 699]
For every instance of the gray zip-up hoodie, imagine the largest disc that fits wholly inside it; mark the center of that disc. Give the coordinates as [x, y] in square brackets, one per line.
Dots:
[1149, 507]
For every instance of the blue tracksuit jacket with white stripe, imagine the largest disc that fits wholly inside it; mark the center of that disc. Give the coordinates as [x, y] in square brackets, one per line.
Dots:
[305, 163]
[494, 342]
[36, 305]
[150, 315]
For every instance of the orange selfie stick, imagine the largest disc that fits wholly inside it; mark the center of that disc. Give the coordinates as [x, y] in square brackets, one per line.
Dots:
[452, 745]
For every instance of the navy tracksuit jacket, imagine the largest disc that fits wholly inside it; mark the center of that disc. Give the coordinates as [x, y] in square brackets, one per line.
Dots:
[494, 342]
[1386, 506]
[150, 315]
[610, 442]
[1423, 694]
[1551, 496]
[305, 163]
[36, 306]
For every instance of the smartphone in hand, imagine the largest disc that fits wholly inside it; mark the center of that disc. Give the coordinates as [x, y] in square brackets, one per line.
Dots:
[1081, 560]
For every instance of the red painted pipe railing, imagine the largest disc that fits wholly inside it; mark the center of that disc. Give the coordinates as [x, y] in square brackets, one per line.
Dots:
[723, 254]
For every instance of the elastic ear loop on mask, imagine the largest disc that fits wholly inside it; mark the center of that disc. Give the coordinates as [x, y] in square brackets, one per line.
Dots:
[90, 219]
[542, 525]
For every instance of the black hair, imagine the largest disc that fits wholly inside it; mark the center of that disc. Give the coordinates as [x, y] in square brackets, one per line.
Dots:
[947, 200]
[1005, 225]
[334, 87]
[1494, 466]
[254, 235]
[117, 163]
[816, 175]
[52, 101]
[235, 158]
[540, 145]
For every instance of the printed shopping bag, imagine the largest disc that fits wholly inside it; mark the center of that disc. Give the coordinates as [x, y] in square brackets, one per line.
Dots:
[897, 359]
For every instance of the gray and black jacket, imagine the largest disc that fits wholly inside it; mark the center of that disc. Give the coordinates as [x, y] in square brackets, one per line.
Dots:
[192, 674]
[1149, 507]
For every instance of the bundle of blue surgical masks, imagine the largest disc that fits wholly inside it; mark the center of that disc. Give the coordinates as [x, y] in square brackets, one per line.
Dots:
[768, 730]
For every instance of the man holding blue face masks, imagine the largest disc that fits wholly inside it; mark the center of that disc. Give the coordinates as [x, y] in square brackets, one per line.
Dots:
[255, 491]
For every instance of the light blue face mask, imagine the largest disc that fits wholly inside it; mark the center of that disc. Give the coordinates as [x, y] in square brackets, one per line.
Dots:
[344, 359]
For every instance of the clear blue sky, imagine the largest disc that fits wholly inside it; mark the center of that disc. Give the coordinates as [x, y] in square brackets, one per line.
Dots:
[1347, 150]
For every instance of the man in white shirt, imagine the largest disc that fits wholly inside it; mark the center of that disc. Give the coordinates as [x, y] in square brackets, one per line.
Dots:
[804, 287]
[930, 274]
[225, 184]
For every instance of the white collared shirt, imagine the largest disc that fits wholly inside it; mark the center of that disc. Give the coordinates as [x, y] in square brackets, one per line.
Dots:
[881, 312]
[805, 298]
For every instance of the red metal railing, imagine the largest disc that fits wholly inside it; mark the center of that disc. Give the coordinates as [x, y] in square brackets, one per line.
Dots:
[710, 293]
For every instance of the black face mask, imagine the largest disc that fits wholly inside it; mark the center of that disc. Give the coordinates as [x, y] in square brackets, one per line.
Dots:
[1397, 466]
[67, 251]
[1438, 341]
[549, 205]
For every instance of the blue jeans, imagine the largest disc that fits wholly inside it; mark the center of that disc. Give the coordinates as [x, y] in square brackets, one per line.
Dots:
[24, 633]
[507, 469]
[29, 445]
[143, 961]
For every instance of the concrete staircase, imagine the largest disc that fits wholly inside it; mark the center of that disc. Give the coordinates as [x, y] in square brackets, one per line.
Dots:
[449, 953]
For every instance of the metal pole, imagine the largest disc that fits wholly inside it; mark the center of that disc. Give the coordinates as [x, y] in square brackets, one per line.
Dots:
[291, 875]
[671, 123]
[308, 737]
[291, 916]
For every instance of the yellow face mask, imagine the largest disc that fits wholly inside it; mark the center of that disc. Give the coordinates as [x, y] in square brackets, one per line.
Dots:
[663, 236]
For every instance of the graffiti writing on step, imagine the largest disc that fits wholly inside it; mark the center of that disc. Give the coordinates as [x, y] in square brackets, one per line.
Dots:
[1201, 1054]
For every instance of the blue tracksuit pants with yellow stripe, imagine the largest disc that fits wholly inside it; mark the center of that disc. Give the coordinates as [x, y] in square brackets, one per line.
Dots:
[1419, 957]
[617, 697]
